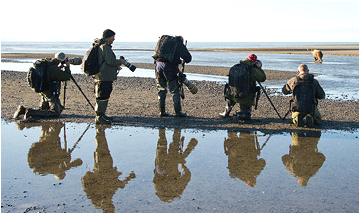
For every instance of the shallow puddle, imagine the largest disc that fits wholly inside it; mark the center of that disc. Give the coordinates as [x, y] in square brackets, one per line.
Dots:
[69, 167]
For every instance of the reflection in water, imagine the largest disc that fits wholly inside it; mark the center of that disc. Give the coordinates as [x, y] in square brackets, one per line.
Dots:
[304, 160]
[100, 185]
[243, 151]
[47, 156]
[169, 182]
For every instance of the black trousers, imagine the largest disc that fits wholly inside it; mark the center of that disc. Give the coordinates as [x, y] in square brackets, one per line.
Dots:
[103, 90]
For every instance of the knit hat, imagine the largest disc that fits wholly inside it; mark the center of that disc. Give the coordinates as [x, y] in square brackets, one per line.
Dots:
[108, 33]
[252, 57]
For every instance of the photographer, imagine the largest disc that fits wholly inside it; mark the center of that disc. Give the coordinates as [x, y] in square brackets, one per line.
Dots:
[253, 65]
[56, 69]
[109, 68]
[167, 77]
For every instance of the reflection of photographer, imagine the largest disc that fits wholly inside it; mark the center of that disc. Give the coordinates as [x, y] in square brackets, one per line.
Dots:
[45, 78]
[304, 160]
[243, 152]
[101, 184]
[47, 156]
[169, 183]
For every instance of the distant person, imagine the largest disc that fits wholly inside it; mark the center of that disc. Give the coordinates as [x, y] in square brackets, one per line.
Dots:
[242, 86]
[306, 91]
[109, 69]
[53, 71]
[167, 73]
[317, 54]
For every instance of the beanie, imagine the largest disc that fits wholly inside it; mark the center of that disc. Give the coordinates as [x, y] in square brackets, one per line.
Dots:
[252, 57]
[108, 33]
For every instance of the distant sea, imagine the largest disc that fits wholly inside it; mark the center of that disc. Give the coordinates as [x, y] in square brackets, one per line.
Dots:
[339, 75]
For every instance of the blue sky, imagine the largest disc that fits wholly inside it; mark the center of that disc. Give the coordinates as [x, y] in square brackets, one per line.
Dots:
[197, 21]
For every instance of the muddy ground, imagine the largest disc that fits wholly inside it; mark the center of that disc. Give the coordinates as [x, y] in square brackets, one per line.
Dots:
[134, 102]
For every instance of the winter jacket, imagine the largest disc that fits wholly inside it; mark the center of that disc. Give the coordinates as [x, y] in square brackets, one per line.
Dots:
[108, 63]
[171, 70]
[289, 86]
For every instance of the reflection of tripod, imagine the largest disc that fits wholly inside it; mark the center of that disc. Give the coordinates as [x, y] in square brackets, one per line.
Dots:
[72, 149]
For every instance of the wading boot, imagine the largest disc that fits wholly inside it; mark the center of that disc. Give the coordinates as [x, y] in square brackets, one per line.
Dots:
[177, 106]
[37, 113]
[228, 108]
[243, 115]
[299, 120]
[20, 111]
[309, 121]
[163, 113]
[100, 109]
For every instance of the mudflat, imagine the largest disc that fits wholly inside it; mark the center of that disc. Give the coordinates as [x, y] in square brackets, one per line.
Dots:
[133, 102]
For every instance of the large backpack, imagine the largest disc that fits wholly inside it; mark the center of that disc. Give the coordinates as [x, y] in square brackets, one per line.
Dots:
[239, 81]
[303, 96]
[90, 64]
[37, 75]
[166, 48]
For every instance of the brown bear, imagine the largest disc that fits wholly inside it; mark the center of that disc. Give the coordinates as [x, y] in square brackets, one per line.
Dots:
[317, 54]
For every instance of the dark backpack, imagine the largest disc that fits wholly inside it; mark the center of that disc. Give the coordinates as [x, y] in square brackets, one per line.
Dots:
[90, 64]
[37, 76]
[166, 48]
[239, 81]
[303, 96]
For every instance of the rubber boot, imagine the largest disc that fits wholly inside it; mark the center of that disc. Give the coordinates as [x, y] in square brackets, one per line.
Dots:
[38, 113]
[228, 108]
[20, 111]
[100, 110]
[177, 106]
[163, 113]
[309, 121]
[299, 120]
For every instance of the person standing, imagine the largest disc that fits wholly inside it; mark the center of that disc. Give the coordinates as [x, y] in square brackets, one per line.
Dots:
[299, 105]
[256, 74]
[54, 70]
[109, 69]
[167, 77]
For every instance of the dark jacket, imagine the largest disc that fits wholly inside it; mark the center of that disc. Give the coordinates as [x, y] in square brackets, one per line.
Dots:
[289, 87]
[170, 70]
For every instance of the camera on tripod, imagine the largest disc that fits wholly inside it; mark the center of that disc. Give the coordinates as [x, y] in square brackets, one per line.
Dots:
[129, 65]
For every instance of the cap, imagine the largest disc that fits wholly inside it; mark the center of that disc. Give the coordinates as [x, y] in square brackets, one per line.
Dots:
[60, 56]
[108, 33]
[252, 57]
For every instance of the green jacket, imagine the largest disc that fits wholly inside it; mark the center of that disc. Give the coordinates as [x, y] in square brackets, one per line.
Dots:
[256, 74]
[108, 63]
[56, 73]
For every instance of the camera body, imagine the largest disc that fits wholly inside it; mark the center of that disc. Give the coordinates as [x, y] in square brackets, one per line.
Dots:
[128, 65]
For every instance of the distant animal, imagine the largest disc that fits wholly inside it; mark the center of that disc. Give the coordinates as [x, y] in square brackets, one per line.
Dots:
[317, 54]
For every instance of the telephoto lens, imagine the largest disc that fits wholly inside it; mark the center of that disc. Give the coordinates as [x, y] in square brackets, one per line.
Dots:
[129, 65]
[76, 61]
